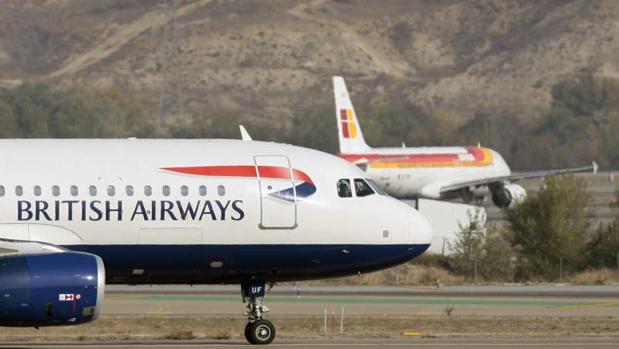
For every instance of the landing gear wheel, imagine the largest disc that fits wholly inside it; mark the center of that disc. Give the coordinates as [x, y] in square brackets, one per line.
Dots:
[247, 329]
[260, 332]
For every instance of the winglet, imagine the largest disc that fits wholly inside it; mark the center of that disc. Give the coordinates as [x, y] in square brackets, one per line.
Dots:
[595, 167]
[244, 134]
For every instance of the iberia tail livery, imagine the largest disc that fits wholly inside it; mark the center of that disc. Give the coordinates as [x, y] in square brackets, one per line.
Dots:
[469, 173]
[351, 138]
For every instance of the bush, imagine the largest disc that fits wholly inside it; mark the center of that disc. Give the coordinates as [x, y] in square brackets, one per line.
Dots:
[481, 251]
[549, 229]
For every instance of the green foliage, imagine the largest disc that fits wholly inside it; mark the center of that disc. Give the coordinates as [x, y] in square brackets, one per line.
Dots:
[581, 124]
[36, 111]
[468, 247]
[483, 250]
[551, 226]
[583, 121]
[224, 125]
[603, 248]
[7, 120]
[315, 127]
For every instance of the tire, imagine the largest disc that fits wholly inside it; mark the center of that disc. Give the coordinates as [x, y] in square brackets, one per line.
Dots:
[260, 332]
[247, 329]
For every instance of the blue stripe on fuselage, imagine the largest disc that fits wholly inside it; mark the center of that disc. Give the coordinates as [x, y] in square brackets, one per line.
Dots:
[193, 263]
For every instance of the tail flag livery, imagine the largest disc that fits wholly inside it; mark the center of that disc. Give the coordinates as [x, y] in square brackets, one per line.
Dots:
[349, 132]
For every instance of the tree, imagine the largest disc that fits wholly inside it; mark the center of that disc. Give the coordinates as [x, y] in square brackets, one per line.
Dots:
[480, 250]
[549, 228]
[315, 127]
[8, 120]
[603, 248]
[468, 247]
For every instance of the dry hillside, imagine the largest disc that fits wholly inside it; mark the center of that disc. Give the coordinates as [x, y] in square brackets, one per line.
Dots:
[264, 58]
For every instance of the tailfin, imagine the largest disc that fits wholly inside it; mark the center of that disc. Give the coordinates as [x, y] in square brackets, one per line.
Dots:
[349, 131]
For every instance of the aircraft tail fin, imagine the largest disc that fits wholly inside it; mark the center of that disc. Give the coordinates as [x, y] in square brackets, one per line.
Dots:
[349, 132]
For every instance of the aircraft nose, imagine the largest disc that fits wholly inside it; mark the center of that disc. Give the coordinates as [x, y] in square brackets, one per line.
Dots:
[420, 230]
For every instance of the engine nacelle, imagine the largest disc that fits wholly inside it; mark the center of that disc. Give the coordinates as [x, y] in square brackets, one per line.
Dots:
[509, 195]
[50, 289]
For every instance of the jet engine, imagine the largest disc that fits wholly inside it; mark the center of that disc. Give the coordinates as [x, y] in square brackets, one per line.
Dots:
[50, 289]
[509, 195]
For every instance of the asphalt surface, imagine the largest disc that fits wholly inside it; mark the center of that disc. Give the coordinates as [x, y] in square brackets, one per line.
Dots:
[559, 301]
[553, 301]
[327, 344]
[550, 290]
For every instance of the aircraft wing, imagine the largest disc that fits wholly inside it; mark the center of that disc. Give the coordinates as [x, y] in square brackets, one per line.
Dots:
[13, 247]
[517, 176]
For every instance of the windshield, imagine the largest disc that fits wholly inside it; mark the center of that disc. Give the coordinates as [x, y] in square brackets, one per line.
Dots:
[376, 187]
[362, 188]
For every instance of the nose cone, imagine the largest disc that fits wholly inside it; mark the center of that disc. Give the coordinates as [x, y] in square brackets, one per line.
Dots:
[420, 230]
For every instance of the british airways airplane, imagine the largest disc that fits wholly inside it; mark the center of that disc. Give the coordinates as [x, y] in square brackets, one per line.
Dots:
[469, 173]
[77, 214]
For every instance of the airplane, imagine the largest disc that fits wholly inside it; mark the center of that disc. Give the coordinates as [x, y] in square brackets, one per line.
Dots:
[78, 214]
[439, 173]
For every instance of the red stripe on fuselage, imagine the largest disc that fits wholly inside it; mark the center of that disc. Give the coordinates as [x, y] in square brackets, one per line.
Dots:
[273, 172]
[477, 154]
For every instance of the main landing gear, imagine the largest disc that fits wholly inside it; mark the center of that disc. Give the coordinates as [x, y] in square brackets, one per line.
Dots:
[257, 330]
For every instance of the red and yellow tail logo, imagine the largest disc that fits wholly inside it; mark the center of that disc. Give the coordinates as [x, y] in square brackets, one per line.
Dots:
[349, 129]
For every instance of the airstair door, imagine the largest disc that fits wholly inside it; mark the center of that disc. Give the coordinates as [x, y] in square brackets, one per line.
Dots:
[278, 197]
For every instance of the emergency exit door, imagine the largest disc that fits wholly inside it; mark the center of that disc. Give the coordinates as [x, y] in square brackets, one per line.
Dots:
[278, 197]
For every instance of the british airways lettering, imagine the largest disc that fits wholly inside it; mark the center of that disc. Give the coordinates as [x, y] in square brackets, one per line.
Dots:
[113, 210]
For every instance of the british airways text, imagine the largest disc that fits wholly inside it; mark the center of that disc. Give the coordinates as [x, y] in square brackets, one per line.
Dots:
[97, 210]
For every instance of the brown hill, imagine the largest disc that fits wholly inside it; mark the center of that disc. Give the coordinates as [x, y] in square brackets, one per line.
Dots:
[265, 58]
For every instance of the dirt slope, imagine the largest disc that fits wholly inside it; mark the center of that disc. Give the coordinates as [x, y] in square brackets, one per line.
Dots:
[265, 58]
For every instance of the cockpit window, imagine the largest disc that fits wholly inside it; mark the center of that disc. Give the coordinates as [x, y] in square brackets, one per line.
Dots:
[377, 188]
[343, 188]
[362, 188]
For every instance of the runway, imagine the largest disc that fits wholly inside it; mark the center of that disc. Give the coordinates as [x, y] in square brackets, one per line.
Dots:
[563, 301]
[548, 316]
[340, 344]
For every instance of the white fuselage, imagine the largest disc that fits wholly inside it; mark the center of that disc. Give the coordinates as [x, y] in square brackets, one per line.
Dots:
[420, 172]
[212, 210]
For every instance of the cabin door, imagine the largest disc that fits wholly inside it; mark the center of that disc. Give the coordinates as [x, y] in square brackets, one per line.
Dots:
[278, 197]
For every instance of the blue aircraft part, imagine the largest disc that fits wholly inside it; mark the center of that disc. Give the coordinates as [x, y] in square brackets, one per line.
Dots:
[194, 264]
[49, 289]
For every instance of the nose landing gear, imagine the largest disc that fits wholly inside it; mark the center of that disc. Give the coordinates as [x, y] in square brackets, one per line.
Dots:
[257, 330]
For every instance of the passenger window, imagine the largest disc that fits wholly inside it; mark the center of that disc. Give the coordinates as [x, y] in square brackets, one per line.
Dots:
[148, 190]
[362, 188]
[111, 190]
[2, 191]
[19, 190]
[55, 190]
[37, 190]
[166, 190]
[92, 190]
[129, 190]
[202, 190]
[184, 190]
[343, 188]
[74, 190]
[221, 190]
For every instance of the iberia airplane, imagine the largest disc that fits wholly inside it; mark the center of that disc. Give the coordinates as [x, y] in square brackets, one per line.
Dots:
[76, 214]
[432, 172]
